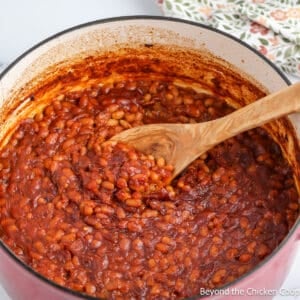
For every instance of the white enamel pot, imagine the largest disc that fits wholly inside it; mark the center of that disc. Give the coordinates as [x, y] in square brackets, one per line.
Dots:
[20, 281]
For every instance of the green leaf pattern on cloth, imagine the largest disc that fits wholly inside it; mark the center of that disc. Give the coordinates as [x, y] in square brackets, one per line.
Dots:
[270, 26]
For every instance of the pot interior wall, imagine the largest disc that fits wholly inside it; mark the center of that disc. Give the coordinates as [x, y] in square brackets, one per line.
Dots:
[105, 35]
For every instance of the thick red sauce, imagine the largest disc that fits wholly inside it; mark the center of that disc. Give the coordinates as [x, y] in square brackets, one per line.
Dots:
[101, 218]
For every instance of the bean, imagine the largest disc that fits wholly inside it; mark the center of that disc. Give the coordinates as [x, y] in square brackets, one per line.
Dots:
[87, 210]
[208, 102]
[244, 222]
[218, 173]
[137, 244]
[58, 235]
[153, 88]
[134, 227]
[169, 96]
[218, 276]
[294, 206]
[117, 115]
[138, 116]
[112, 122]
[212, 111]
[160, 162]
[90, 288]
[162, 247]
[151, 263]
[125, 124]
[68, 238]
[125, 244]
[251, 247]
[120, 213]
[147, 97]
[107, 185]
[188, 100]
[217, 240]
[233, 199]
[179, 285]
[7, 221]
[167, 240]
[245, 257]
[39, 246]
[178, 100]
[262, 250]
[134, 202]
[172, 270]
[155, 290]
[68, 143]
[51, 138]
[149, 213]
[214, 251]
[130, 117]
[195, 274]
[203, 231]
[188, 262]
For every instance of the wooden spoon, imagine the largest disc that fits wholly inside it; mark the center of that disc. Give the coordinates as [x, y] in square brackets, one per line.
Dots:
[180, 144]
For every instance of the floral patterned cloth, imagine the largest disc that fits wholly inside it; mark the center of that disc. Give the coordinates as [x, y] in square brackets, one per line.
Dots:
[270, 26]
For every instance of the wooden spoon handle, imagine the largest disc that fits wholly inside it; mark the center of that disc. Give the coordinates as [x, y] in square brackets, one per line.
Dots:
[253, 115]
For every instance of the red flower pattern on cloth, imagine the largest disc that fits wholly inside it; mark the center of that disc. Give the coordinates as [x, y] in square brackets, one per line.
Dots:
[271, 27]
[263, 50]
[279, 15]
[257, 28]
[258, 1]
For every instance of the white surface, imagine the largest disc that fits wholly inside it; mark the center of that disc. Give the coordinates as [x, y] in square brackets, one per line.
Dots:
[25, 23]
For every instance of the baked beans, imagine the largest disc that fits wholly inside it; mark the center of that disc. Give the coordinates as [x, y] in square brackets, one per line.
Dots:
[101, 218]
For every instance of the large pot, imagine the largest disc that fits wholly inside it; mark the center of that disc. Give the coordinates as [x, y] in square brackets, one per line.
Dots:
[54, 55]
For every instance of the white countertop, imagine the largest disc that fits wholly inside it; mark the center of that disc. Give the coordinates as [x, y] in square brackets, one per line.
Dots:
[25, 23]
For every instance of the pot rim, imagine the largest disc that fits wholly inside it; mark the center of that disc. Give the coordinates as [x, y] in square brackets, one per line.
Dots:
[163, 19]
